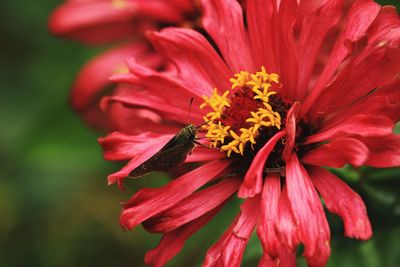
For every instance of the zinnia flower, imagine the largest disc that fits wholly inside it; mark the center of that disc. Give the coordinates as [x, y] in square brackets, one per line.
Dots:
[124, 22]
[302, 85]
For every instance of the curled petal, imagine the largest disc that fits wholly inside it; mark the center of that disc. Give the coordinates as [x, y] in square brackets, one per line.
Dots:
[342, 200]
[291, 121]
[252, 183]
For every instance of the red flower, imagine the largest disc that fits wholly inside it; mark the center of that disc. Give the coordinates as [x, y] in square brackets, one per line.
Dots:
[275, 115]
[104, 21]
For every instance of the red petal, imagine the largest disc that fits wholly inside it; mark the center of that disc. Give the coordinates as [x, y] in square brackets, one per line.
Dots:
[92, 79]
[359, 124]
[286, 225]
[342, 200]
[193, 206]
[383, 101]
[137, 120]
[291, 120]
[165, 85]
[252, 183]
[213, 257]
[359, 19]
[149, 202]
[338, 153]
[366, 72]
[384, 151]
[285, 48]
[144, 99]
[196, 61]
[314, 29]
[119, 146]
[308, 213]
[228, 251]
[93, 21]
[261, 21]
[172, 242]
[269, 216]
[223, 20]
[286, 259]
[201, 154]
[233, 250]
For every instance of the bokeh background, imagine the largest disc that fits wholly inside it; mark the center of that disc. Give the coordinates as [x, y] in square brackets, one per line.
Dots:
[55, 206]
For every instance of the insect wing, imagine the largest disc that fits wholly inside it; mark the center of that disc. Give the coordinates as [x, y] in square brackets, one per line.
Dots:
[170, 155]
[164, 160]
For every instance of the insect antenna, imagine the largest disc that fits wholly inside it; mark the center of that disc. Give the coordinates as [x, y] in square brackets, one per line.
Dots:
[190, 109]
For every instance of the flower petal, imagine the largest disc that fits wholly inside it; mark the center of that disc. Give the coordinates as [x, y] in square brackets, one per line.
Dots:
[223, 20]
[285, 48]
[315, 27]
[137, 99]
[383, 101]
[122, 149]
[92, 80]
[137, 120]
[269, 216]
[384, 151]
[291, 121]
[252, 183]
[92, 21]
[149, 202]
[172, 242]
[286, 226]
[201, 154]
[163, 84]
[119, 146]
[193, 206]
[308, 213]
[342, 200]
[361, 76]
[360, 17]
[359, 124]
[338, 153]
[197, 63]
[228, 251]
[261, 21]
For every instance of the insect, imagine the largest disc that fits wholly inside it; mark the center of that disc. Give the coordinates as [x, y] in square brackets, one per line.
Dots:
[170, 155]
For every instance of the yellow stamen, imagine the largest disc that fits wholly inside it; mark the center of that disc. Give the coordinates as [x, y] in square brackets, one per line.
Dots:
[223, 136]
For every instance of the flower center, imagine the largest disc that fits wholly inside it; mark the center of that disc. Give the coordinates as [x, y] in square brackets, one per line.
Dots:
[243, 118]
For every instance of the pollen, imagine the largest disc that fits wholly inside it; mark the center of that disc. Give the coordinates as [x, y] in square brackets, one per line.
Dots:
[236, 117]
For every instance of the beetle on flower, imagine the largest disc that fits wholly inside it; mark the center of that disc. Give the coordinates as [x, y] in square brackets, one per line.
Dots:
[302, 85]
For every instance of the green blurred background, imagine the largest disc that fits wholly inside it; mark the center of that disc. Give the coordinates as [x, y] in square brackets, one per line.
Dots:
[55, 206]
